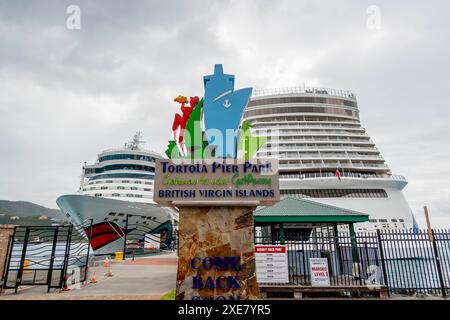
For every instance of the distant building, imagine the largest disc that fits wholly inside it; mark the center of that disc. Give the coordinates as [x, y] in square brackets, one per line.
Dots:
[14, 218]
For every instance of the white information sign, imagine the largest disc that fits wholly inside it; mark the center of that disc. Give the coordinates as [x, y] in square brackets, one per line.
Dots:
[271, 264]
[319, 272]
[152, 241]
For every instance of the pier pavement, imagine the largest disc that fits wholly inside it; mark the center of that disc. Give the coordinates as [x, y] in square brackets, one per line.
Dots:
[145, 278]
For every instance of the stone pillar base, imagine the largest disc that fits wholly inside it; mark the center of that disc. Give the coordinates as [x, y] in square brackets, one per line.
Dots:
[222, 235]
[6, 231]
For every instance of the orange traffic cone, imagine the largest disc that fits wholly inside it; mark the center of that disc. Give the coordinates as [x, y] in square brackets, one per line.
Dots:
[94, 277]
[106, 262]
[66, 288]
[110, 273]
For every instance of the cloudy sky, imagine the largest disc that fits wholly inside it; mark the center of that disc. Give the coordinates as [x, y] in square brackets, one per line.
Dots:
[66, 94]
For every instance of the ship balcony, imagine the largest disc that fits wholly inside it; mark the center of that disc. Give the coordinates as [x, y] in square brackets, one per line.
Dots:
[353, 175]
[265, 133]
[312, 156]
[302, 128]
[317, 148]
[284, 139]
[334, 165]
[322, 122]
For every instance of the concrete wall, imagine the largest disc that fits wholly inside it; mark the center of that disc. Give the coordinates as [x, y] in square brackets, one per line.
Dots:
[6, 230]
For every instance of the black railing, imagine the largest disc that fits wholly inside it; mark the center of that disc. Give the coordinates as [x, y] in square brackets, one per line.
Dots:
[138, 234]
[408, 262]
[43, 255]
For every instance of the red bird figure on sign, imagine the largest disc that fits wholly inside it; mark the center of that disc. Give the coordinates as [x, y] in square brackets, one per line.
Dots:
[181, 121]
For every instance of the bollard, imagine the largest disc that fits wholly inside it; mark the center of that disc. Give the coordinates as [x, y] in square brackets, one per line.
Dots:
[26, 267]
[118, 256]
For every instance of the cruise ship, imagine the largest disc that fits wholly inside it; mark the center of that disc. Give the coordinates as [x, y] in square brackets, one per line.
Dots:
[116, 192]
[326, 155]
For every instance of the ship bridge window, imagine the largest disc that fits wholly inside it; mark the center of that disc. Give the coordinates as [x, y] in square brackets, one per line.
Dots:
[383, 220]
[402, 220]
[130, 195]
[130, 175]
[116, 194]
[373, 220]
[393, 220]
[103, 188]
[133, 188]
[127, 157]
[108, 181]
[125, 166]
[125, 181]
[98, 194]
[138, 195]
[146, 189]
[138, 182]
[121, 187]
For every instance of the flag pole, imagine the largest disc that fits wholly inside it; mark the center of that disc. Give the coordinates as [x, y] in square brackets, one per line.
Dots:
[427, 218]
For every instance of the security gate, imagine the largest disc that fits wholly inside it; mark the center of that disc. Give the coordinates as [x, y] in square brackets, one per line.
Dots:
[42, 255]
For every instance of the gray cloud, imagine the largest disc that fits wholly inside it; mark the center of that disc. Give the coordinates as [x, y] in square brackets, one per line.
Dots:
[66, 95]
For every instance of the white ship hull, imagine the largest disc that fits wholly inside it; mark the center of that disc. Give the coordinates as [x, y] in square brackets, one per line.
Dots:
[109, 224]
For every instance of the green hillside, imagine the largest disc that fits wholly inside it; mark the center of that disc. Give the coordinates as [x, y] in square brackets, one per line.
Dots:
[26, 209]
[29, 213]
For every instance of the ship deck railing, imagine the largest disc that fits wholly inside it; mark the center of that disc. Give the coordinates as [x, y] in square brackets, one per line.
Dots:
[303, 90]
[314, 175]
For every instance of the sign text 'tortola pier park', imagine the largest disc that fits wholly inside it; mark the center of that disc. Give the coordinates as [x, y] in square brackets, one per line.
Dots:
[214, 180]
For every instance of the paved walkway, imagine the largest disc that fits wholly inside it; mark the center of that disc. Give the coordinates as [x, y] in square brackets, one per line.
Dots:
[144, 278]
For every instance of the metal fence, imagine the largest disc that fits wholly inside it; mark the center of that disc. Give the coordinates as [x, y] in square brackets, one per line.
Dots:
[408, 262]
[142, 238]
[43, 255]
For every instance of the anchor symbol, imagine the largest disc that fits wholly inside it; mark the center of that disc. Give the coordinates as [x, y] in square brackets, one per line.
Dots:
[226, 103]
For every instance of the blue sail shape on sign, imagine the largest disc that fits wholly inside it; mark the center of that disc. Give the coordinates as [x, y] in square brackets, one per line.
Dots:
[223, 108]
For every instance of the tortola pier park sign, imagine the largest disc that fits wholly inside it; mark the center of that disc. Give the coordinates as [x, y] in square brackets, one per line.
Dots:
[216, 183]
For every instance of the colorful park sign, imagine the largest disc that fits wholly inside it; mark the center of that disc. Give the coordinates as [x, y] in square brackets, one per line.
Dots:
[221, 111]
[214, 179]
[212, 153]
[216, 183]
